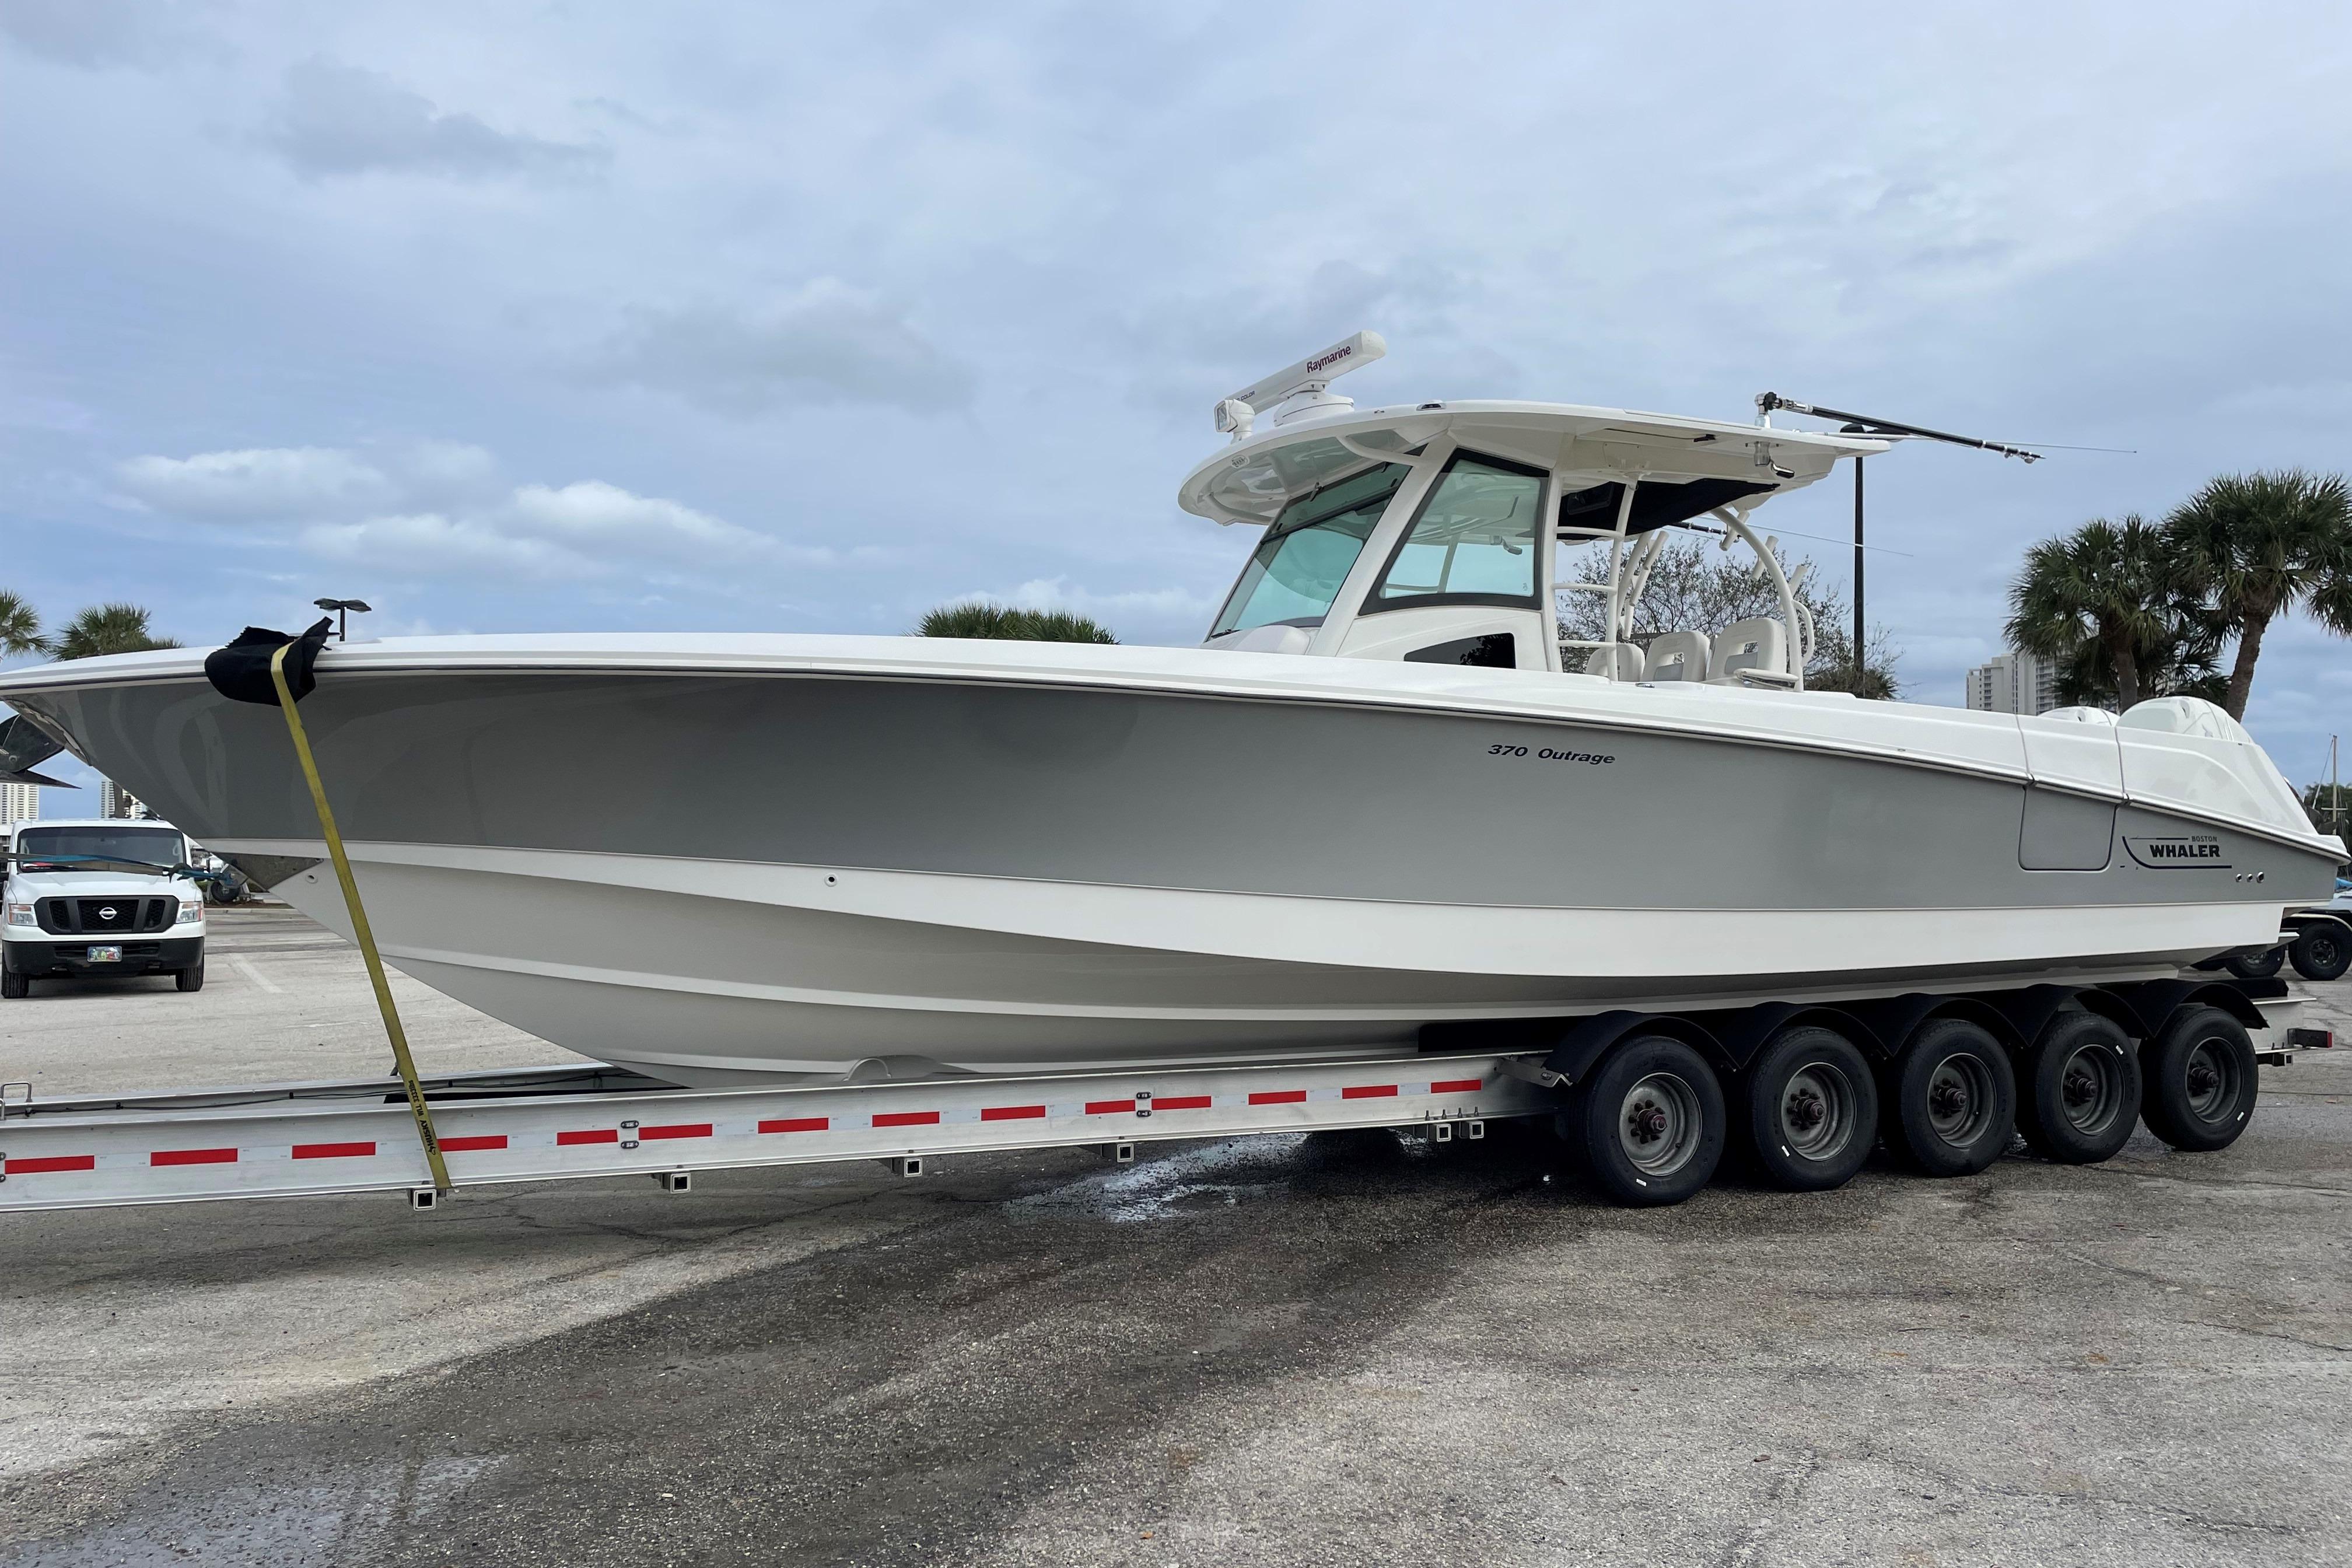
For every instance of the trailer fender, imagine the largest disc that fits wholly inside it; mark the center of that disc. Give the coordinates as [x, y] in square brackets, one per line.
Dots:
[2148, 1005]
[2030, 1011]
[1747, 1033]
[1894, 1021]
[2300, 919]
[1579, 1051]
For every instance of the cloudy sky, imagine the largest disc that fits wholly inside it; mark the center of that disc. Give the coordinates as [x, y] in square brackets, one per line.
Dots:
[769, 317]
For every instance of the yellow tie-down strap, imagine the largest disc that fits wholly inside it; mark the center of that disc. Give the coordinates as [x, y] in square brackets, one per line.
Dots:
[400, 1058]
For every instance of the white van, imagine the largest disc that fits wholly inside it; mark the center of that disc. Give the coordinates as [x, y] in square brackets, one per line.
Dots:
[98, 896]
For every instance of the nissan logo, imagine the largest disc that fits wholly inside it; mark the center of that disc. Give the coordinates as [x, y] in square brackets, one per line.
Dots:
[106, 912]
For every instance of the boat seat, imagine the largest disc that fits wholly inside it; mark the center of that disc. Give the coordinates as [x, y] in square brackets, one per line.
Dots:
[1678, 656]
[1758, 643]
[1615, 660]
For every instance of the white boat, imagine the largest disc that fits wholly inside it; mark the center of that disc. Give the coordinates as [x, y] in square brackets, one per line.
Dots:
[1382, 795]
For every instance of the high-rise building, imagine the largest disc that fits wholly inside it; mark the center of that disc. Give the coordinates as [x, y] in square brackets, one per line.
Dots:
[19, 802]
[2014, 683]
[113, 800]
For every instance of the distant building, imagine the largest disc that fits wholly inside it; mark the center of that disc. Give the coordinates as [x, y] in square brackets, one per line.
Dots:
[19, 802]
[113, 800]
[2014, 683]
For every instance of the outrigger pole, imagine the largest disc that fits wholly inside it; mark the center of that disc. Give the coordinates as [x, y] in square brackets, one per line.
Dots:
[1766, 403]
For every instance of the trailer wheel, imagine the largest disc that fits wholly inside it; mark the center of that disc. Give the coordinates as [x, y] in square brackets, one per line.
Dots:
[2256, 965]
[2321, 952]
[1951, 1100]
[1811, 1109]
[1651, 1122]
[14, 985]
[2082, 1094]
[2200, 1079]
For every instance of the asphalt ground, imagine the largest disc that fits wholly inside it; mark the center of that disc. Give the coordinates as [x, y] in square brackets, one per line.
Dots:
[1280, 1351]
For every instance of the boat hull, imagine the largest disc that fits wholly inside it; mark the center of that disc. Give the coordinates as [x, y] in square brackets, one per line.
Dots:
[805, 868]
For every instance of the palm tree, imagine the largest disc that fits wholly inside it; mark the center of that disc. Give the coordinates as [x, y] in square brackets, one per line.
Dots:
[107, 629]
[978, 619]
[2259, 545]
[20, 627]
[2101, 593]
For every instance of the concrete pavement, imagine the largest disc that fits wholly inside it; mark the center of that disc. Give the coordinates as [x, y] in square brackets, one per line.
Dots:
[1281, 1351]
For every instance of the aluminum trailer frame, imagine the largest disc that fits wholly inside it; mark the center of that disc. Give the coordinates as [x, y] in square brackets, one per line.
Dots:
[311, 1140]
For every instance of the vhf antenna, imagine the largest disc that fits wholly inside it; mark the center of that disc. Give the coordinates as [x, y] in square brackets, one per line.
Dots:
[1867, 425]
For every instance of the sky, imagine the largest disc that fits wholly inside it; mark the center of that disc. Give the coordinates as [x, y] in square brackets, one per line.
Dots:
[782, 318]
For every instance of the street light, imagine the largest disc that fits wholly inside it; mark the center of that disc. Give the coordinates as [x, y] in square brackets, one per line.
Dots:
[341, 609]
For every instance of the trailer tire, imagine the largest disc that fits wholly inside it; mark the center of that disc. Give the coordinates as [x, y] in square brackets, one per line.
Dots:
[14, 985]
[1650, 1122]
[1809, 1109]
[1950, 1100]
[2321, 952]
[2081, 1097]
[2256, 965]
[2200, 1080]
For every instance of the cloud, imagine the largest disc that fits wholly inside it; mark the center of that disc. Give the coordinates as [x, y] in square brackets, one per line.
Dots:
[91, 35]
[279, 482]
[439, 510]
[826, 343]
[337, 119]
[430, 544]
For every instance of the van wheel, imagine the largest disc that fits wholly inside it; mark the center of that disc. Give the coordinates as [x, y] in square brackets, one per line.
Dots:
[1951, 1100]
[2321, 952]
[1651, 1122]
[2200, 1080]
[1811, 1109]
[2256, 965]
[2082, 1094]
[191, 978]
[14, 985]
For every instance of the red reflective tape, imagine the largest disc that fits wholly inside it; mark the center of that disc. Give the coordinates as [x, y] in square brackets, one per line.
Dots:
[331, 1151]
[478, 1140]
[591, 1135]
[193, 1157]
[678, 1130]
[1456, 1086]
[1011, 1112]
[1108, 1107]
[1369, 1091]
[1181, 1102]
[797, 1124]
[1279, 1096]
[33, 1166]
[905, 1118]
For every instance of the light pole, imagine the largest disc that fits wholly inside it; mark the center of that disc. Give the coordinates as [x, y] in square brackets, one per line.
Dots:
[342, 610]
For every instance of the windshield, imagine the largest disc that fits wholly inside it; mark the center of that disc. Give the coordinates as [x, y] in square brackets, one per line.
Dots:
[1298, 567]
[158, 846]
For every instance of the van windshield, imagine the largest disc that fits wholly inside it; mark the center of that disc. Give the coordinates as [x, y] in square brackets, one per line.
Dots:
[1296, 572]
[158, 846]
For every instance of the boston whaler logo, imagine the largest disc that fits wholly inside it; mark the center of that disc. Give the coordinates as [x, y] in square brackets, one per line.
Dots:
[2197, 851]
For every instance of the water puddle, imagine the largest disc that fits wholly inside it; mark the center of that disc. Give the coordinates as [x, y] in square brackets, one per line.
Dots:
[1212, 1176]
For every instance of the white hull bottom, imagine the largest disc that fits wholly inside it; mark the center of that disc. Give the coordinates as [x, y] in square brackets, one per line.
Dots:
[713, 973]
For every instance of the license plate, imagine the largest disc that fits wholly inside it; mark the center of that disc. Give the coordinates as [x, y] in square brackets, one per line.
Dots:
[106, 955]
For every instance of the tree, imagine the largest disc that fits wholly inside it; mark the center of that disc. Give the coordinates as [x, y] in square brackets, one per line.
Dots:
[980, 619]
[2098, 600]
[107, 629]
[20, 627]
[2258, 546]
[1692, 588]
